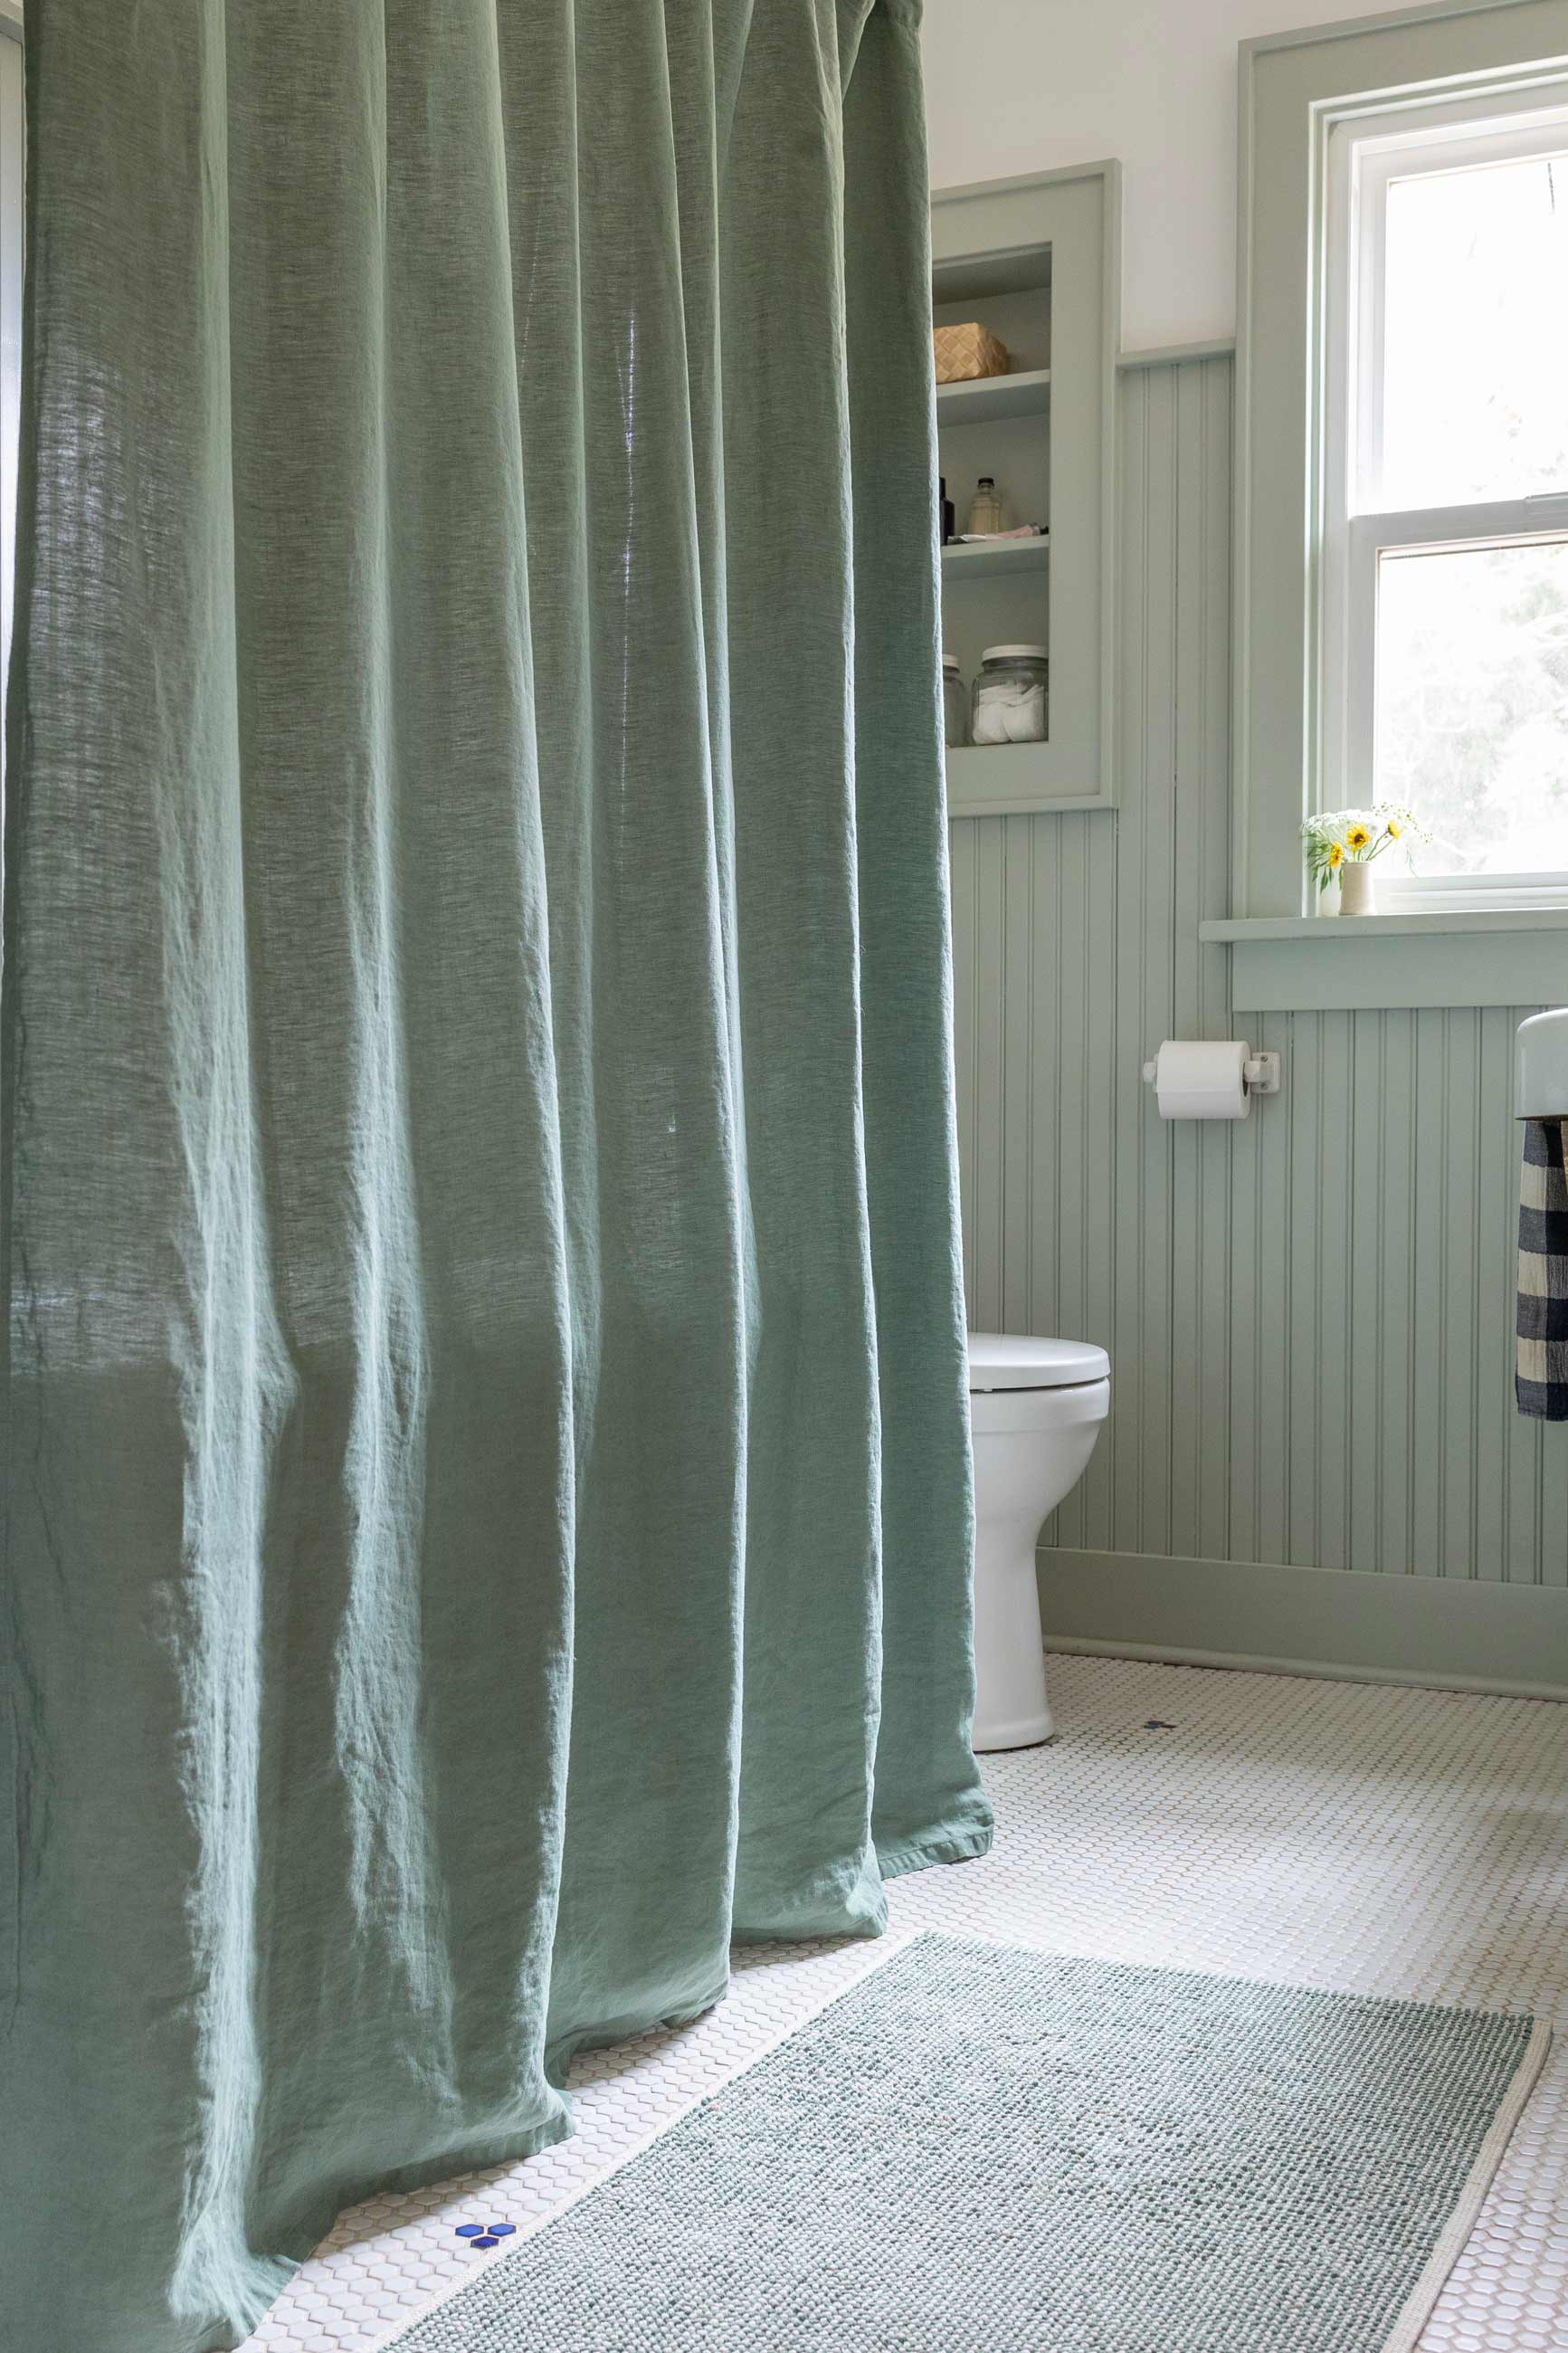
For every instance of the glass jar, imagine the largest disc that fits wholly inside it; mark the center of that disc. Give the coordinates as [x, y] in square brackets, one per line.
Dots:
[1009, 696]
[954, 704]
[984, 508]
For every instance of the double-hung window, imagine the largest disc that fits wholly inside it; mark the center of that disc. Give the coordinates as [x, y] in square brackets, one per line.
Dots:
[1402, 500]
[1442, 676]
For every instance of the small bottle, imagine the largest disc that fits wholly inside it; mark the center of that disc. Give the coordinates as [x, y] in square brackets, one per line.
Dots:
[946, 518]
[985, 507]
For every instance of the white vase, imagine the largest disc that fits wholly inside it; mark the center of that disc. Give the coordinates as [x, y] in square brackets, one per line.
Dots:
[1358, 888]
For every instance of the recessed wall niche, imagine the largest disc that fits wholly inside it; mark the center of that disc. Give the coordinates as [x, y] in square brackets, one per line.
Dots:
[1034, 261]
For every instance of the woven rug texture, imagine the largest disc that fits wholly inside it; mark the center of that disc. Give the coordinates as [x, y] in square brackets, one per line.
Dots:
[979, 2148]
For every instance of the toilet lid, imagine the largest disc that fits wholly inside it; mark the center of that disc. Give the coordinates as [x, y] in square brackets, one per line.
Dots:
[1008, 1360]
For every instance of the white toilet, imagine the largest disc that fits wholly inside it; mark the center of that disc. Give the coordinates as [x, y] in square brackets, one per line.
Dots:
[1035, 1411]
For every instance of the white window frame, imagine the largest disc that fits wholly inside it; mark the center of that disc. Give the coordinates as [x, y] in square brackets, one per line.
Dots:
[1366, 153]
[1295, 89]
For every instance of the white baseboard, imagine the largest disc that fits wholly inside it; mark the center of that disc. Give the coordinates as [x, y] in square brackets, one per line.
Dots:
[1446, 1633]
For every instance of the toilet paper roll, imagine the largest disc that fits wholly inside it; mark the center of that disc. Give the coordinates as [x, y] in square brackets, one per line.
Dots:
[1202, 1079]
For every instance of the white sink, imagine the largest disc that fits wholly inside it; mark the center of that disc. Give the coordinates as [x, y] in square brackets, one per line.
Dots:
[1541, 1066]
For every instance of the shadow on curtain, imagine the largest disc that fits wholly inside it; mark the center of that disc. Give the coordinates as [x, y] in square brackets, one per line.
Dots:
[488, 1484]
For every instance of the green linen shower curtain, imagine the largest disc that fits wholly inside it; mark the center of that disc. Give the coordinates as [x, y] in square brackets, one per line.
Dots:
[487, 1491]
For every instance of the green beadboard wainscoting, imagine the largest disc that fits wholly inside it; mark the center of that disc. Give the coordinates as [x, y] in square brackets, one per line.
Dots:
[1309, 1313]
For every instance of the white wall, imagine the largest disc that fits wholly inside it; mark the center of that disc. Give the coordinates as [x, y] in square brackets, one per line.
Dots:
[1029, 85]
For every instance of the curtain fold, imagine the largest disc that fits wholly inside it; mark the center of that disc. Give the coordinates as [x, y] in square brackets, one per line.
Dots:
[488, 1494]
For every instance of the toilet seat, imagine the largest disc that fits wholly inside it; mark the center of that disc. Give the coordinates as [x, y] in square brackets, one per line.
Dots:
[992, 1411]
[1013, 1360]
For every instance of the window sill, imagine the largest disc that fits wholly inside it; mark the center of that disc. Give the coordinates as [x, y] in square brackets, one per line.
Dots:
[1411, 926]
[1461, 956]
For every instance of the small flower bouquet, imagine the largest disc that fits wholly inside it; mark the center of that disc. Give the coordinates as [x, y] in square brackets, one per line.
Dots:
[1342, 843]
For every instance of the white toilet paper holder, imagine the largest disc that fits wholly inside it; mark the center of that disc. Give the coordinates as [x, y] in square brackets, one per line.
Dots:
[1260, 1072]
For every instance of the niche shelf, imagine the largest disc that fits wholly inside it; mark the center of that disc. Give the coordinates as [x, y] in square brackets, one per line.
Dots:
[1037, 259]
[1027, 394]
[1007, 559]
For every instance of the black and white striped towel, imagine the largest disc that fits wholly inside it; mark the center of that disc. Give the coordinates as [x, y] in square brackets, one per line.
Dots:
[1541, 1383]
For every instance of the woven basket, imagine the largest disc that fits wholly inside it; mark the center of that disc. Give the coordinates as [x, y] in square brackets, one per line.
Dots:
[966, 352]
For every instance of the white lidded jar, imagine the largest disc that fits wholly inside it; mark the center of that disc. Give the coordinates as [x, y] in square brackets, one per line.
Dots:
[1008, 702]
[954, 704]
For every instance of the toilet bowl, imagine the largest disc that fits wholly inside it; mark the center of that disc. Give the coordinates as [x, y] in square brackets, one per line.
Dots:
[1035, 1411]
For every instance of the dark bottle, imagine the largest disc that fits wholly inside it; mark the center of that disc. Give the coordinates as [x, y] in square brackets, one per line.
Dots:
[945, 514]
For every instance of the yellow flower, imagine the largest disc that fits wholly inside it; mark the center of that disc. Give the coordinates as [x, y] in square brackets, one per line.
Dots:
[1357, 837]
[1395, 830]
[1336, 855]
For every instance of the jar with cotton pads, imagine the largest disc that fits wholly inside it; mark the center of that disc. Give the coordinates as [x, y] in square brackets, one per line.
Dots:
[1009, 696]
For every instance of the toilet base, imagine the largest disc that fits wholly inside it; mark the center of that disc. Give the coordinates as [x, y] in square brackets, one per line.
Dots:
[1033, 1733]
[1011, 1707]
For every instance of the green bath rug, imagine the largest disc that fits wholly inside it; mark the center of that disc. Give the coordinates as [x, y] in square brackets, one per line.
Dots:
[982, 2149]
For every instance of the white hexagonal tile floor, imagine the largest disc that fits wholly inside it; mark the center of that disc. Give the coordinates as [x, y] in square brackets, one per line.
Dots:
[1394, 1841]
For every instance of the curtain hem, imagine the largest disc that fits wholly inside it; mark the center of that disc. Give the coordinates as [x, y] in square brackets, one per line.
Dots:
[951, 1846]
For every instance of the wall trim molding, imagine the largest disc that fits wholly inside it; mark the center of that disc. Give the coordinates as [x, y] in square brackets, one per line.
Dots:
[1219, 347]
[1445, 1634]
[1384, 20]
[1320, 969]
